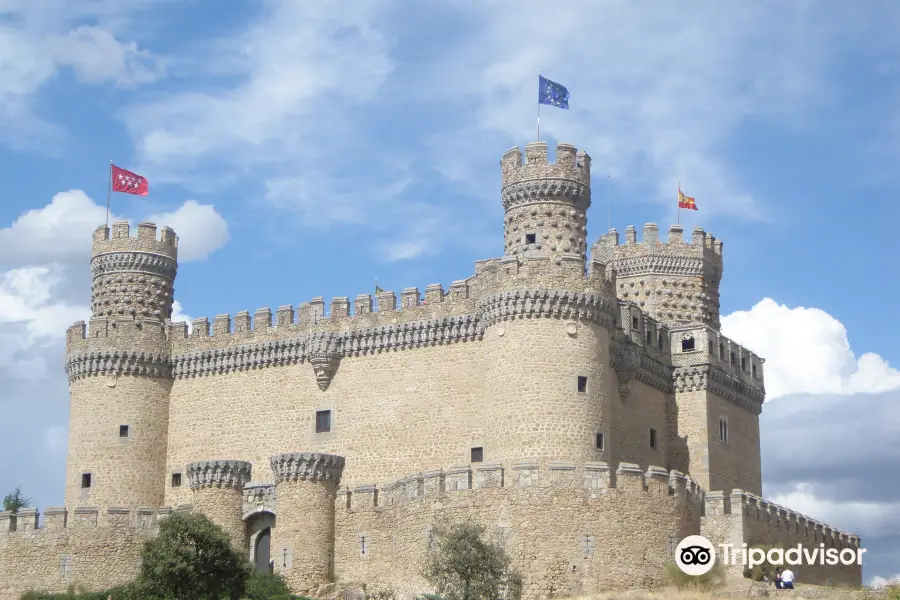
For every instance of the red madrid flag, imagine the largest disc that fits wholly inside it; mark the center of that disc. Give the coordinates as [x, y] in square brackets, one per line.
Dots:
[128, 182]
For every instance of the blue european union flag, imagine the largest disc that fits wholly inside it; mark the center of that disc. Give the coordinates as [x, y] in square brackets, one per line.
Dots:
[552, 93]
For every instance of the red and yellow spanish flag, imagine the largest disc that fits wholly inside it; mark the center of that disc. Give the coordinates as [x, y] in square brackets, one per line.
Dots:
[686, 201]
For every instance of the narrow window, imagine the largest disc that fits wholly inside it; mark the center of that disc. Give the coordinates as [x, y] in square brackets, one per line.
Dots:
[635, 323]
[660, 341]
[176, 479]
[687, 344]
[649, 337]
[85, 481]
[733, 358]
[363, 549]
[323, 421]
[753, 370]
[721, 351]
[709, 347]
[582, 384]
[723, 431]
[599, 441]
[530, 238]
[653, 438]
[743, 364]
[477, 455]
[123, 431]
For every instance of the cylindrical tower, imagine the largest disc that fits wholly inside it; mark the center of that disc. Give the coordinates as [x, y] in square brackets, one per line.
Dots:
[218, 492]
[546, 204]
[119, 372]
[546, 338]
[303, 541]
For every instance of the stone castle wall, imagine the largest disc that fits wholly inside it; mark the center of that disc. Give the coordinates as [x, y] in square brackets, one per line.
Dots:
[569, 528]
[85, 547]
[744, 518]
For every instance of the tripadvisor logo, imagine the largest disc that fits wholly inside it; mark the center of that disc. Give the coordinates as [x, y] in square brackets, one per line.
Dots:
[695, 555]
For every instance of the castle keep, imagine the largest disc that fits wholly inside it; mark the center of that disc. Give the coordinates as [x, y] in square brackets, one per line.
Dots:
[579, 402]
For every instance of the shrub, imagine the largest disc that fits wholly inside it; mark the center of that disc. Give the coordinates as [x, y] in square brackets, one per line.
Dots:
[765, 571]
[266, 586]
[463, 566]
[192, 559]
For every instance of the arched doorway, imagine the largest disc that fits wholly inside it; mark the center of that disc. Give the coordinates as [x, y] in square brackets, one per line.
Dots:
[259, 537]
[263, 550]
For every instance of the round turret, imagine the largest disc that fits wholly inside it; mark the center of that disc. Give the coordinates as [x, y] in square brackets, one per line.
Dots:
[546, 203]
[218, 493]
[133, 276]
[303, 541]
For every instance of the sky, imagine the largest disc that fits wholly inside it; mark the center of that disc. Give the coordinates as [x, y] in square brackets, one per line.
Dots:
[305, 149]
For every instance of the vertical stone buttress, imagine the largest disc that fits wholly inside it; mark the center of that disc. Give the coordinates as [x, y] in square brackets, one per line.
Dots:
[303, 540]
[217, 488]
[545, 321]
[119, 373]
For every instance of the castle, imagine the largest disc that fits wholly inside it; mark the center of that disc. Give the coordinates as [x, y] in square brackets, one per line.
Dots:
[583, 406]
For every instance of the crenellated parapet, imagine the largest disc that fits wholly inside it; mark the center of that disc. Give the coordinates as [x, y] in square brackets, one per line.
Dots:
[58, 520]
[675, 280]
[704, 359]
[117, 346]
[133, 276]
[595, 478]
[307, 466]
[219, 474]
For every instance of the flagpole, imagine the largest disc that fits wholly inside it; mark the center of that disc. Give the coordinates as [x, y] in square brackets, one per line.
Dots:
[678, 208]
[608, 205]
[539, 107]
[108, 192]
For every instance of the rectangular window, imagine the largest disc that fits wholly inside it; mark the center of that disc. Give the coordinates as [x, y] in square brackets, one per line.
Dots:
[582, 384]
[649, 337]
[477, 455]
[530, 238]
[653, 438]
[85, 481]
[687, 344]
[743, 364]
[723, 431]
[176, 479]
[660, 341]
[599, 441]
[123, 431]
[753, 370]
[323, 421]
[635, 323]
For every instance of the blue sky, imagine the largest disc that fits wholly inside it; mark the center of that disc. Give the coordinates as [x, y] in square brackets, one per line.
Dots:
[303, 150]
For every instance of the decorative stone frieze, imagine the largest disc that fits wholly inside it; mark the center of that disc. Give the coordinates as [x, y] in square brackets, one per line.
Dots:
[117, 362]
[219, 473]
[307, 466]
[724, 385]
[544, 190]
[564, 304]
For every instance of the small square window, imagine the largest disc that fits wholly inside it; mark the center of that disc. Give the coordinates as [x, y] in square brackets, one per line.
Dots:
[653, 438]
[176, 479]
[599, 441]
[530, 238]
[582, 384]
[323, 421]
[123, 431]
[687, 345]
[477, 455]
[85, 481]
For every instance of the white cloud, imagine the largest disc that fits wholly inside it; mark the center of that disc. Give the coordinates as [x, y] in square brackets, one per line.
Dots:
[807, 351]
[881, 582]
[178, 314]
[200, 229]
[863, 517]
[96, 56]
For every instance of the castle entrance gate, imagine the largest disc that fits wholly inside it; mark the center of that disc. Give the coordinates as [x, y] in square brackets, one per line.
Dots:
[259, 536]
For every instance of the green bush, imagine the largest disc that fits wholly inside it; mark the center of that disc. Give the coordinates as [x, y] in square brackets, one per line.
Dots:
[463, 566]
[125, 592]
[266, 586]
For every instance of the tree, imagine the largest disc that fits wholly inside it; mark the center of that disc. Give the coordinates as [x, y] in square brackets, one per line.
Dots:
[15, 501]
[192, 559]
[463, 566]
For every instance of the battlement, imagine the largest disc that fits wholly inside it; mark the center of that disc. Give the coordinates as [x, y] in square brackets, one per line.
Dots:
[56, 519]
[117, 346]
[701, 344]
[568, 179]
[596, 478]
[339, 315]
[776, 518]
[701, 243]
[119, 239]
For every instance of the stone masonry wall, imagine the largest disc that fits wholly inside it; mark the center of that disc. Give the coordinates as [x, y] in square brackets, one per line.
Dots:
[85, 547]
[748, 519]
[567, 530]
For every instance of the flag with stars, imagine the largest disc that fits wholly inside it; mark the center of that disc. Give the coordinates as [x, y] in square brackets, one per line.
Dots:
[128, 182]
[552, 93]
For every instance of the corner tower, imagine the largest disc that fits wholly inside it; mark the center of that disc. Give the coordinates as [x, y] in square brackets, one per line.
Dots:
[675, 281]
[545, 203]
[119, 372]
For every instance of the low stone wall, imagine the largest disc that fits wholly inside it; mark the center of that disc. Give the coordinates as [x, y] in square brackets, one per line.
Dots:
[570, 529]
[748, 519]
[85, 548]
